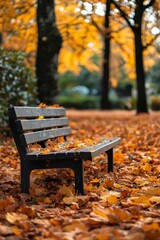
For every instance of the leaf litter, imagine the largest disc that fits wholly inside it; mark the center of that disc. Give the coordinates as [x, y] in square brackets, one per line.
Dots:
[122, 205]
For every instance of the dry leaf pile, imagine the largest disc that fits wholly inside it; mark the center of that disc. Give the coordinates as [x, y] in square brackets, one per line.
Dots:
[122, 205]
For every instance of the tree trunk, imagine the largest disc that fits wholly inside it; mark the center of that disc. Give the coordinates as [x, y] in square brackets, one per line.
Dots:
[139, 64]
[49, 44]
[140, 79]
[105, 103]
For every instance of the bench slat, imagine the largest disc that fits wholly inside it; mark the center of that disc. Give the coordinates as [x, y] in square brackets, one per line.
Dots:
[104, 146]
[61, 155]
[33, 112]
[35, 137]
[24, 125]
[84, 153]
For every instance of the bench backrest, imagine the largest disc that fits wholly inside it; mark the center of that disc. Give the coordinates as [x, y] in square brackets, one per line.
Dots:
[37, 125]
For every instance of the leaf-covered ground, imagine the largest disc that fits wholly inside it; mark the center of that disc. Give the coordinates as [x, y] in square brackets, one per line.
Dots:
[122, 205]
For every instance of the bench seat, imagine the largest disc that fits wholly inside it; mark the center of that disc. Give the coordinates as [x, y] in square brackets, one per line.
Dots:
[82, 153]
[51, 124]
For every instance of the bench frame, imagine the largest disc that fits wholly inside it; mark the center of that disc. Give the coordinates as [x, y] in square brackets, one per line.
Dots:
[21, 118]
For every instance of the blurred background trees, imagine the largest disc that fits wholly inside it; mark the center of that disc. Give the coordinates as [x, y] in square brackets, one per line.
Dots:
[94, 54]
[133, 12]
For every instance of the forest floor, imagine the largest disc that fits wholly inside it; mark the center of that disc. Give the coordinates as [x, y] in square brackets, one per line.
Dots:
[124, 205]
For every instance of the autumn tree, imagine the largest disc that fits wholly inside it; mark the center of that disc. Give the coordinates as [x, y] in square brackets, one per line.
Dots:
[133, 13]
[49, 44]
[17, 26]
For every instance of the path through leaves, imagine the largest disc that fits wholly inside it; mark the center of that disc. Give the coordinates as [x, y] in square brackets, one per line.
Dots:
[122, 205]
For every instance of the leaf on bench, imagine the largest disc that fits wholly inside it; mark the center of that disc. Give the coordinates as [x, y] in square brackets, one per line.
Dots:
[59, 145]
[40, 117]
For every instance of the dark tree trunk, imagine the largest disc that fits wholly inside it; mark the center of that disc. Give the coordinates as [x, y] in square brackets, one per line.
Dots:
[105, 103]
[140, 75]
[49, 44]
[140, 79]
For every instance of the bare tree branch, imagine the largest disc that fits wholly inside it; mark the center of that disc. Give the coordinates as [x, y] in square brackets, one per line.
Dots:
[123, 14]
[100, 29]
[149, 4]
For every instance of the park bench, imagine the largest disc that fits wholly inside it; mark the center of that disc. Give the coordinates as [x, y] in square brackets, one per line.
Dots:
[27, 129]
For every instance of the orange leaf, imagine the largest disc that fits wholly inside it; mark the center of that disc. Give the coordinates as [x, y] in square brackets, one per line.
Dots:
[112, 199]
[47, 200]
[16, 231]
[150, 227]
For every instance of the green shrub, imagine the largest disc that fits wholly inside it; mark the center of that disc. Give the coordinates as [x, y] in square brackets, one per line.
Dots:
[17, 84]
[155, 103]
[79, 101]
[132, 102]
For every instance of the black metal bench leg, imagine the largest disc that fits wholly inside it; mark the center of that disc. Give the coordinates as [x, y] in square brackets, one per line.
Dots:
[110, 160]
[79, 176]
[25, 178]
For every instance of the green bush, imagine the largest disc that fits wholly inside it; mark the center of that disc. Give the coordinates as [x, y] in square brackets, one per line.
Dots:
[155, 103]
[79, 101]
[17, 84]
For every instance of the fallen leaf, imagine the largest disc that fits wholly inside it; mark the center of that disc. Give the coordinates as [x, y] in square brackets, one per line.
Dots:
[68, 200]
[16, 218]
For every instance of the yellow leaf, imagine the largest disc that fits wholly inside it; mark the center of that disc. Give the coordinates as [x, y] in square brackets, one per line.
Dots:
[76, 225]
[40, 117]
[89, 187]
[117, 185]
[100, 213]
[118, 157]
[146, 168]
[15, 218]
[68, 200]
[141, 200]
[122, 214]
[155, 199]
[152, 191]
[96, 180]
[45, 151]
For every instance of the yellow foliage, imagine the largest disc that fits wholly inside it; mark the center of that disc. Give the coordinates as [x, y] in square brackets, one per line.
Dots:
[82, 33]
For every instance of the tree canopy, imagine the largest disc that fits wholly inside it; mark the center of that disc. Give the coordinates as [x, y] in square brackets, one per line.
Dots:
[80, 23]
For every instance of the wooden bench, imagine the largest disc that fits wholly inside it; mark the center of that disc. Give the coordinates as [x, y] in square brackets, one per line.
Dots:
[27, 129]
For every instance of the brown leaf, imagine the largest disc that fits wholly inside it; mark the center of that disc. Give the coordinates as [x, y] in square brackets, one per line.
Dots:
[16, 218]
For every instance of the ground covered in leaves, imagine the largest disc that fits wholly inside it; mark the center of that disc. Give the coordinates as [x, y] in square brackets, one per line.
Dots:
[122, 205]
